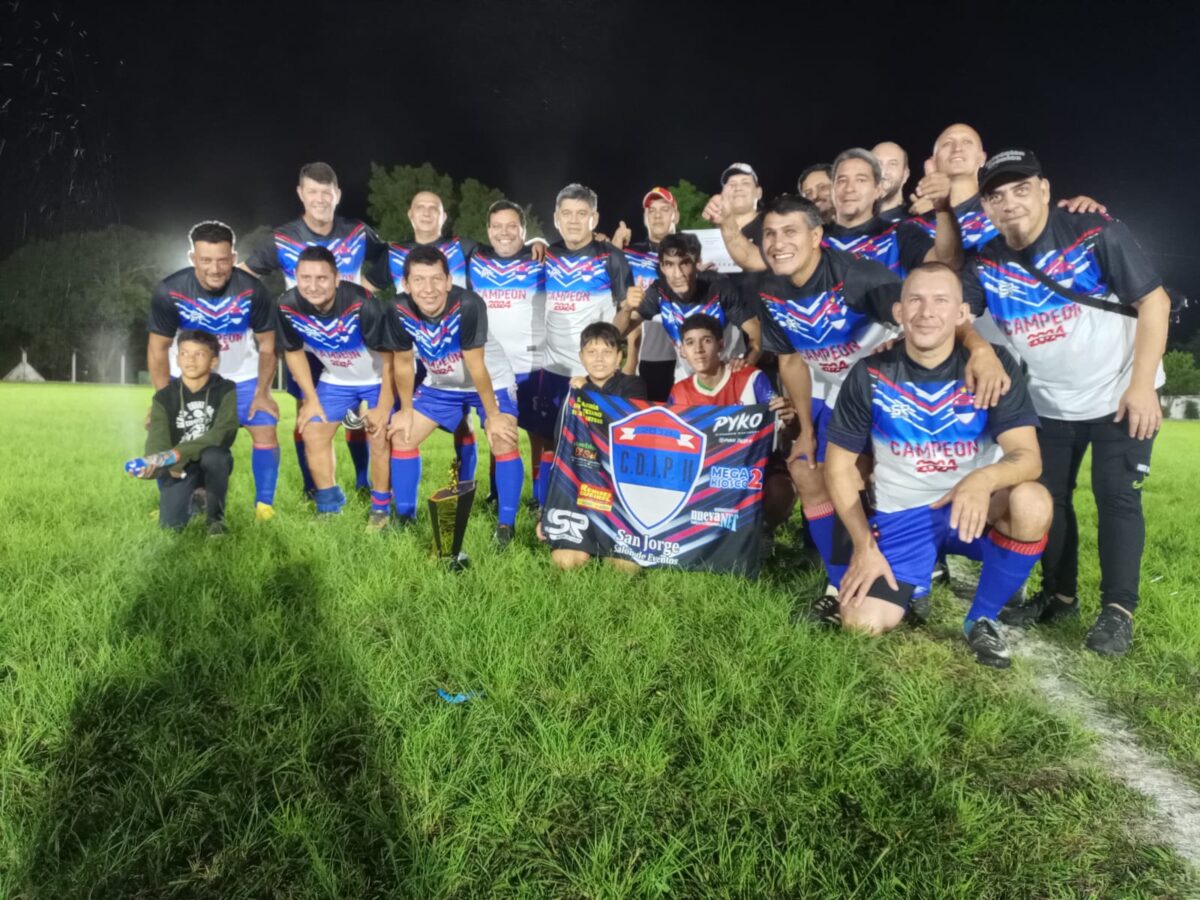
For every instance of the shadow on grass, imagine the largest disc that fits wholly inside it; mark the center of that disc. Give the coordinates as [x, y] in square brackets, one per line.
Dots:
[228, 755]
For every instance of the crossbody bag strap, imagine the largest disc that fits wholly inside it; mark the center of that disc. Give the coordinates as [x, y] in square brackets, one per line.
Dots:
[1082, 299]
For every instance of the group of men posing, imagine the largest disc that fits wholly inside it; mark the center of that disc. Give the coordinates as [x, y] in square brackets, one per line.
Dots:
[913, 437]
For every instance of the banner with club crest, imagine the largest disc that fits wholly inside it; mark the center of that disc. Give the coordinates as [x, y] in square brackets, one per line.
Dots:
[658, 485]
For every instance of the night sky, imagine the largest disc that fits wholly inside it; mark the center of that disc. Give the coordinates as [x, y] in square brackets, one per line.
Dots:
[205, 110]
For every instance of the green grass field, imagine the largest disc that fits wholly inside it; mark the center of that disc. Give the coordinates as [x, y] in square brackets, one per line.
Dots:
[257, 716]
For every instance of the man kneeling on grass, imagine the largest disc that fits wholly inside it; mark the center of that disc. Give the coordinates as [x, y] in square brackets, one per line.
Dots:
[938, 485]
[600, 352]
[193, 423]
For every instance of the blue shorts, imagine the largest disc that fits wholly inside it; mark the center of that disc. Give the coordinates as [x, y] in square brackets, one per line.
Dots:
[314, 368]
[529, 411]
[245, 395]
[822, 413]
[338, 399]
[448, 408]
[548, 400]
[912, 539]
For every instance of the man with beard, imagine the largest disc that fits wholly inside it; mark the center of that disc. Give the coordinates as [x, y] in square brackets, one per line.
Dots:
[214, 298]
[1079, 303]
[816, 185]
[821, 310]
[893, 162]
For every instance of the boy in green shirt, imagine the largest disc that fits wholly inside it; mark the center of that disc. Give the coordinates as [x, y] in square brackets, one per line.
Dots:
[193, 423]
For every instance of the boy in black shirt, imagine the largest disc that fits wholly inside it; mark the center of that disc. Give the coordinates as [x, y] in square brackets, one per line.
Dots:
[193, 423]
[600, 352]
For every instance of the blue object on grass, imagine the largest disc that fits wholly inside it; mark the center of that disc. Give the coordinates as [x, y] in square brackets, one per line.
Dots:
[458, 698]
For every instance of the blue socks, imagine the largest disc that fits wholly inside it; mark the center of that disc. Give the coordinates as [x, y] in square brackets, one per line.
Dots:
[302, 459]
[1006, 565]
[821, 521]
[330, 499]
[264, 462]
[468, 455]
[406, 478]
[541, 487]
[360, 453]
[380, 501]
[510, 477]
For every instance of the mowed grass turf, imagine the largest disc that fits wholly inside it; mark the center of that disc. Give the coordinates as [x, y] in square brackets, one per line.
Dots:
[257, 716]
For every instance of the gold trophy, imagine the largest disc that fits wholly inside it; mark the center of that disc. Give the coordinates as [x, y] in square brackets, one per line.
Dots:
[449, 510]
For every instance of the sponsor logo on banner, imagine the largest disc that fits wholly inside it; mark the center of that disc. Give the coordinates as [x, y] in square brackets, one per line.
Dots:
[586, 455]
[564, 525]
[591, 497]
[656, 462]
[717, 518]
[736, 478]
[739, 423]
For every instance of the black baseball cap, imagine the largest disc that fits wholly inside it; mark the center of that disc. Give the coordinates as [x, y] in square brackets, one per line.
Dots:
[1008, 165]
[738, 169]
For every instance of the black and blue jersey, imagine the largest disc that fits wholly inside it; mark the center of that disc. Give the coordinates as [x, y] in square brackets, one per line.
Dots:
[582, 286]
[901, 246]
[514, 289]
[714, 296]
[1080, 359]
[439, 341]
[921, 424]
[977, 229]
[657, 345]
[353, 244]
[841, 314]
[456, 250]
[347, 338]
[642, 257]
[179, 301]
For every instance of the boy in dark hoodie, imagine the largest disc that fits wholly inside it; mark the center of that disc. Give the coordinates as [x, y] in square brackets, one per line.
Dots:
[193, 423]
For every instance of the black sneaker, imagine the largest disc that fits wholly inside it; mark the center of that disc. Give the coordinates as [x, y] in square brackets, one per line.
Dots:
[987, 645]
[378, 520]
[198, 503]
[919, 610]
[1040, 609]
[941, 572]
[825, 611]
[503, 536]
[1112, 634]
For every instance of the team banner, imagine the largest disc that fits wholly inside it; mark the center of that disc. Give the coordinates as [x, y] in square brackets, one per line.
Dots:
[659, 485]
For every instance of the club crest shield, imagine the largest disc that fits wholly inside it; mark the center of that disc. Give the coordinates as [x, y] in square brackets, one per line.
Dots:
[657, 458]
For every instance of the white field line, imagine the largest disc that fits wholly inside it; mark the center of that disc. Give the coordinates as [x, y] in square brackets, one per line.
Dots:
[1174, 801]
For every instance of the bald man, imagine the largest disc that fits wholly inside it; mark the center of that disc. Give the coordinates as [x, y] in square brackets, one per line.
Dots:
[894, 163]
[958, 154]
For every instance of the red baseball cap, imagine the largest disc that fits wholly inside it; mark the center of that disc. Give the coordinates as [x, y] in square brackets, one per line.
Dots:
[657, 193]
